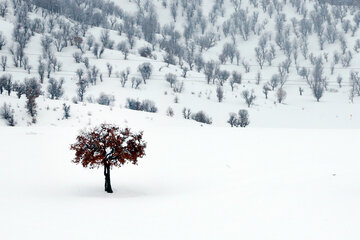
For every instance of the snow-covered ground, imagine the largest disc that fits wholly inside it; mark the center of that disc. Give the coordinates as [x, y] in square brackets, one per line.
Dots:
[195, 183]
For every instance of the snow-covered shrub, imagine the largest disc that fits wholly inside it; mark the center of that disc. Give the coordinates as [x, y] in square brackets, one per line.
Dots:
[186, 113]
[317, 82]
[6, 83]
[124, 76]
[92, 75]
[280, 95]
[7, 114]
[176, 99]
[222, 76]
[206, 41]
[243, 118]
[236, 78]
[145, 70]
[275, 81]
[90, 99]
[146, 105]
[19, 88]
[109, 68]
[240, 120]
[3, 62]
[32, 91]
[304, 73]
[66, 109]
[184, 71]
[199, 62]
[105, 39]
[258, 78]
[169, 58]
[123, 47]
[41, 71]
[86, 62]
[46, 42]
[105, 99]
[249, 97]
[77, 57]
[266, 90]
[178, 87]
[346, 59]
[98, 50]
[210, 68]
[135, 82]
[357, 45]
[339, 80]
[58, 40]
[90, 41]
[3, 8]
[355, 85]
[55, 88]
[301, 91]
[219, 93]
[228, 51]
[189, 55]
[171, 79]
[169, 112]
[82, 85]
[145, 52]
[130, 30]
[202, 117]
[149, 106]
[2, 40]
[233, 120]
[133, 104]
[246, 66]
[336, 57]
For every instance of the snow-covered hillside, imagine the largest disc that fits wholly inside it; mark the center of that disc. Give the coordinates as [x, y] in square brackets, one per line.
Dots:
[281, 27]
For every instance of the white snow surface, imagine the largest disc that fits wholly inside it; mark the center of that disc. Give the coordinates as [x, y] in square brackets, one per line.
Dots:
[194, 183]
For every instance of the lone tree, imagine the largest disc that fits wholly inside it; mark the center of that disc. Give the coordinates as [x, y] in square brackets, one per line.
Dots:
[108, 146]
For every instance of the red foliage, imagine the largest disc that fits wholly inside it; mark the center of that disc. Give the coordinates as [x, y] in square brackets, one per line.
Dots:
[108, 145]
[78, 41]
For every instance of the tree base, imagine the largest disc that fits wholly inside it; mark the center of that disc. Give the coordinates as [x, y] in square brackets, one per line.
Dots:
[109, 190]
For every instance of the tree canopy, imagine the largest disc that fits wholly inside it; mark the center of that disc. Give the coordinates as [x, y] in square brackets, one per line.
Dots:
[108, 145]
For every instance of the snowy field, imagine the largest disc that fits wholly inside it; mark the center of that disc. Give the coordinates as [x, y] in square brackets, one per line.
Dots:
[194, 183]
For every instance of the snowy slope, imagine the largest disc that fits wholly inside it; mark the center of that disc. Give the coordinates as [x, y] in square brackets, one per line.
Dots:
[334, 111]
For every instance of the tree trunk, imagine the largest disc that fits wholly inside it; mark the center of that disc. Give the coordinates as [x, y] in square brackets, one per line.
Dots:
[107, 178]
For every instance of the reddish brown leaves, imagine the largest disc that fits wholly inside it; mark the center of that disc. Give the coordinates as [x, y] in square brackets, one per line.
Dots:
[108, 144]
